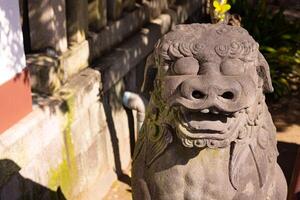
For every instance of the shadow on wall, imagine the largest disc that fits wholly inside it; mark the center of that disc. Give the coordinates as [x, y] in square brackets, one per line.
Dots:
[127, 53]
[115, 141]
[52, 17]
[14, 186]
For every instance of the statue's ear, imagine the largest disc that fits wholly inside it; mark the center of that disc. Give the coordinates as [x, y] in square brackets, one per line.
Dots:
[149, 76]
[263, 71]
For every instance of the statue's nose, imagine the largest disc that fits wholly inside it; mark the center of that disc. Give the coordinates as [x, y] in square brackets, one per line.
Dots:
[200, 94]
[196, 90]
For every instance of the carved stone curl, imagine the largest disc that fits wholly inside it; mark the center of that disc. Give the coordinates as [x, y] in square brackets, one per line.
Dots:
[211, 135]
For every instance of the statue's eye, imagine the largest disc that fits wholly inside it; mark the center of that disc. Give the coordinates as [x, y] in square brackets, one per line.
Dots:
[186, 66]
[232, 67]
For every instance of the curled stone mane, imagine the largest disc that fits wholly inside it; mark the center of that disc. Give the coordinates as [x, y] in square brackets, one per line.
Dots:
[207, 39]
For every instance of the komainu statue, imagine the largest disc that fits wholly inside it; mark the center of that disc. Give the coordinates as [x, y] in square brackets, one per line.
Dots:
[207, 133]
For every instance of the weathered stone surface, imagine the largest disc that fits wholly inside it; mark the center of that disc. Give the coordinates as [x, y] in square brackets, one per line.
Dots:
[20, 141]
[44, 71]
[72, 139]
[2, 147]
[47, 22]
[208, 132]
[97, 14]
[74, 60]
[44, 158]
[56, 139]
[92, 163]
[114, 9]
[48, 73]
[77, 21]
[129, 4]
[115, 65]
[95, 117]
[81, 133]
[130, 53]
[85, 88]
[156, 7]
[117, 31]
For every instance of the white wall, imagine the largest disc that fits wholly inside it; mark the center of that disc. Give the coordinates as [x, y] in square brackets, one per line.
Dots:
[12, 57]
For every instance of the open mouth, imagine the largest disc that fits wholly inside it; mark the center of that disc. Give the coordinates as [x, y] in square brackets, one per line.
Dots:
[205, 121]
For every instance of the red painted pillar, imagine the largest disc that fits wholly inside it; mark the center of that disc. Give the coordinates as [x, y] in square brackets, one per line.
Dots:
[15, 93]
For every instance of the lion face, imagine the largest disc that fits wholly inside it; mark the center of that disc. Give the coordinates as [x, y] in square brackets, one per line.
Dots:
[210, 97]
[210, 85]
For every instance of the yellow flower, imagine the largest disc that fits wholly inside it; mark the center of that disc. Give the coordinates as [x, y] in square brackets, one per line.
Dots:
[221, 8]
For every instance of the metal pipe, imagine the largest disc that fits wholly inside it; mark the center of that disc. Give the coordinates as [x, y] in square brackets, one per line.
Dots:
[134, 101]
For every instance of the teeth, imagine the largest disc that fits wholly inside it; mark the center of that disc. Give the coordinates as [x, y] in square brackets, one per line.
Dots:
[209, 111]
[215, 112]
[204, 111]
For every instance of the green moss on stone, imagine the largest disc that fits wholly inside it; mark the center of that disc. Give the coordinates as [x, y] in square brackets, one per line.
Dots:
[66, 173]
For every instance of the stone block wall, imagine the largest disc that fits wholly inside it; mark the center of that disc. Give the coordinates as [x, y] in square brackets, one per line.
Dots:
[75, 141]
[78, 138]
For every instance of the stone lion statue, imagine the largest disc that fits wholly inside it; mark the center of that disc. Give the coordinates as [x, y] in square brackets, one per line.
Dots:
[207, 133]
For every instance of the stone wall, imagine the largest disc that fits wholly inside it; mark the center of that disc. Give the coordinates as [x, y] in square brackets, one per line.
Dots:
[78, 138]
[74, 140]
